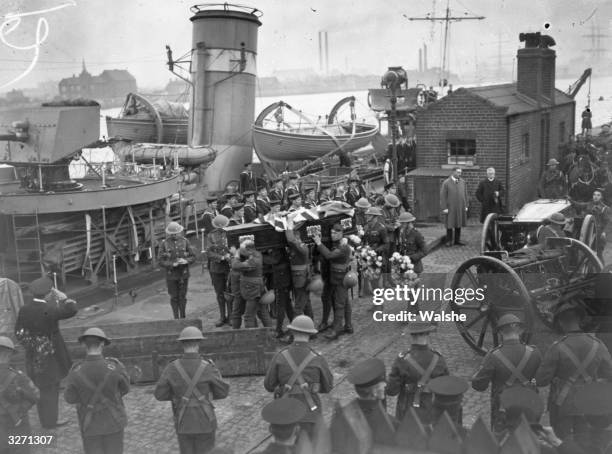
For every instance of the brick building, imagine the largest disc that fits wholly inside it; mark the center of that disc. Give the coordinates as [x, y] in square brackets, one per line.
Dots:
[110, 84]
[514, 127]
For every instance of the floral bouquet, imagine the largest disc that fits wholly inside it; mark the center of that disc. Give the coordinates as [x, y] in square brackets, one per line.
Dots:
[402, 271]
[370, 262]
[39, 348]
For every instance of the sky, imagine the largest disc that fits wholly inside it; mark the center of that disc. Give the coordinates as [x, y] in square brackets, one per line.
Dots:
[365, 36]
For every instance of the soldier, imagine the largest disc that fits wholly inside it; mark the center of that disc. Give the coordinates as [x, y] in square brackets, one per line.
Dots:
[575, 359]
[189, 383]
[377, 237]
[238, 216]
[292, 186]
[553, 228]
[295, 201]
[278, 274]
[391, 211]
[298, 371]
[340, 194]
[361, 207]
[275, 206]
[284, 416]
[230, 201]
[209, 214]
[309, 198]
[250, 266]
[47, 358]
[369, 379]
[262, 202]
[325, 195]
[412, 371]
[277, 192]
[511, 364]
[17, 395]
[237, 303]
[175, 255]
[299, 259]
[97, 386]
[250, 209]
[219, 265]
[410, 241]
[553, 183]
[447, 392]
[601, 214]
[352, 195]
[337, 295]
[389, 189]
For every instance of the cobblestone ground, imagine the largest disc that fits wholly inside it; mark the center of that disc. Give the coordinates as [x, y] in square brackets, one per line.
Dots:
[150, 428]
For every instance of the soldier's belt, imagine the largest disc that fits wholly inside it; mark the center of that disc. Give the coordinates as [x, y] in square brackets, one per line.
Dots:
[339, 268]
[253, 279]
[299, 267]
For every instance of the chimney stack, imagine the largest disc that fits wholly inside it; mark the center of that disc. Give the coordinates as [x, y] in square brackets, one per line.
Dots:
[420, 60]
[424, 57]
[320, 52]
[536, 67]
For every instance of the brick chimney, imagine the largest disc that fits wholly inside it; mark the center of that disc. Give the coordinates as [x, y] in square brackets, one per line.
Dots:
[536, 67]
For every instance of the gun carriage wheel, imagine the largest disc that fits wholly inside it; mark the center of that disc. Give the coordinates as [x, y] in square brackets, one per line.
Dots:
[490, 235]
[588, 231]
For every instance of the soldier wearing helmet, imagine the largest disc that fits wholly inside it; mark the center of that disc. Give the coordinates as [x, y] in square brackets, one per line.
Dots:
[378, 238]
[335, 294]
[97, 386]
[219, 258]
[175, 255]
[410, 241]
[298, 371]
[511, 364]
[553, 182]
[17, 395]
[190, 383]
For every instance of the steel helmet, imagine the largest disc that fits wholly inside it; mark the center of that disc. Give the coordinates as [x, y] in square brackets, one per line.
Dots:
[316, 285]
[268, 298]
[220, 221]
[392, 200]
[190, 333]
[95, 332]
[363, 203]
[350, 280]
[406, 217]
[174, 228]
[302, 324]
[6, 342]
[508, 319]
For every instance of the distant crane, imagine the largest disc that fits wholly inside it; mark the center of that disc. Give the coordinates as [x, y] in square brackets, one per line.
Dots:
[447, 19]
[574, 88]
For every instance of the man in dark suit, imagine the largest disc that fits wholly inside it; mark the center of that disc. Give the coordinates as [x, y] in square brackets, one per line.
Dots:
[47, 358]
[247, 180]
[490, 193]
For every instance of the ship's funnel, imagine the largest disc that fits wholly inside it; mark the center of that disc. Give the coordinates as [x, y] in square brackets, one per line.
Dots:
[224, 80]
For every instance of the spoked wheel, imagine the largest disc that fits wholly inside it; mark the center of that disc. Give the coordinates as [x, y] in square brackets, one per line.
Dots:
[490, 235]
[501, 292]
[588, 231]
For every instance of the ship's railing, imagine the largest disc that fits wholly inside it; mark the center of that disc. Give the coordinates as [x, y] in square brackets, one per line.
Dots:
[117, 168]
[226, 7]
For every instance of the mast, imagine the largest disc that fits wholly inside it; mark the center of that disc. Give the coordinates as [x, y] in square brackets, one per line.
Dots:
[446, 19]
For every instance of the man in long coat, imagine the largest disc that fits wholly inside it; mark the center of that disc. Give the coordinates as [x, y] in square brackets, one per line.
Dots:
[490, 193]
[47, 358]
[454, 205]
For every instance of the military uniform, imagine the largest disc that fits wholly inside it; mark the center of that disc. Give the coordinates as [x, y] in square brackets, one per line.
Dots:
[377, 237]
[207, 218]
[338, 260]
[238, 303]
[218, 266]
[283, 416]
[314, 377]
[391, 215]
[250, 212]
[352, 195]
[251, 288]
[601, 213]
[412, 244]
[189, 383]
[96, 385]
[276, 263]
[410, 373]
[552, 185]
[263, 206]
[227, 211]
[574, 359]
[177, 277]
[38, 324]
[277, 194]
[300, 274]
[17, 395]
[511, 364]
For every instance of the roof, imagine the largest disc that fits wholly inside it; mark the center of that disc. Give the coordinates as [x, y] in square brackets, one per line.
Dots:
[507, 96]
[116, 74]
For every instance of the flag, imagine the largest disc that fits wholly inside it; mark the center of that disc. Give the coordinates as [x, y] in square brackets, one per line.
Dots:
[304, 214]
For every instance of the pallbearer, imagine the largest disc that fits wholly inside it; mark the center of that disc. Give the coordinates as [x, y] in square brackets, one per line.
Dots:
[250, 210]
[338, 259]
[278, 278]
[369, 378]
[17, 395]
[190, 383]
[411, 372]
[298, 371]
[299, 258]
[97, 386]
[511, 364]
[284, 416]
[219, 258]
[250, 266]
[175, 255]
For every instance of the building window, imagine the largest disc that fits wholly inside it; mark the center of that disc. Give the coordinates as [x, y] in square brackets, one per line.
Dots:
[525, 147]
[562, 132]
[461, 151]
